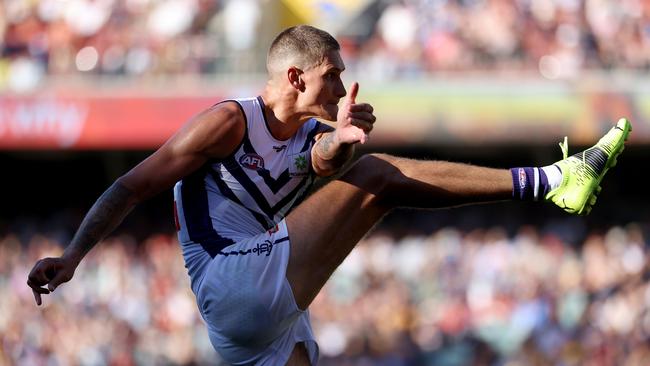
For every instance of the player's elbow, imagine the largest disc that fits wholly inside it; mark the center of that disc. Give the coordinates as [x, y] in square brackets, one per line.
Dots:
[137, 192]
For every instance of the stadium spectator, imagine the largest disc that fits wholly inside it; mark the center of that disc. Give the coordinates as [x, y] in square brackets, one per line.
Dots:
[556, 39]
[450, 298]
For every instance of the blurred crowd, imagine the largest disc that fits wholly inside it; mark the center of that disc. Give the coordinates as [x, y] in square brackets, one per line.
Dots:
[407, 38]
[484, 298]
[558, 39]
[555, 38]
[480, 297]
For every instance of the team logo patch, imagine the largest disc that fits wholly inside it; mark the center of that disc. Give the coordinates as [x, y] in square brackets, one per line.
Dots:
[522, 178]
[299, 164]
[252, 161]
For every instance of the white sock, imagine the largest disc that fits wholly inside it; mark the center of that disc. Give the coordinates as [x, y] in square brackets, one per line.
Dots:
[553, 175]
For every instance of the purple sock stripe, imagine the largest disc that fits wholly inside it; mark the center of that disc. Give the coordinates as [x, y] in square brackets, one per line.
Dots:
[543, 184]
[523, 183]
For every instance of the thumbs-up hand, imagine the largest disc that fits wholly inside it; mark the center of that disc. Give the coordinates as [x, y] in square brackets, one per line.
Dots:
[354, 121]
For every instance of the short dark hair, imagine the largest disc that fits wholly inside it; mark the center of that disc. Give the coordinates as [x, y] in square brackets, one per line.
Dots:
[304, 44]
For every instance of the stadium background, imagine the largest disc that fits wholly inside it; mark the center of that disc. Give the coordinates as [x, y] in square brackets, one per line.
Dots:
[90, 88]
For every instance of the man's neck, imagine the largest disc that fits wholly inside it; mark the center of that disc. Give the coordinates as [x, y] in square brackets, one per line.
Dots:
[281, 114]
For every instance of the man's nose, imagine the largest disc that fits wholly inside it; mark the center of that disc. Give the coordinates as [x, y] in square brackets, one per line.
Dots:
[340, 90]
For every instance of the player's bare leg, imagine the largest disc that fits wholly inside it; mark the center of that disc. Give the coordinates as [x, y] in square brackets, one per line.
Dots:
[325, 228]
[299, 356]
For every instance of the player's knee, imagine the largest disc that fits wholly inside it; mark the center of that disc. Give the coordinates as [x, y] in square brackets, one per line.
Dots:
[376, 173]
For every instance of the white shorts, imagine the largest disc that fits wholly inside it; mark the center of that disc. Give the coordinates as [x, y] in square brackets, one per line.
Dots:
[248, 305]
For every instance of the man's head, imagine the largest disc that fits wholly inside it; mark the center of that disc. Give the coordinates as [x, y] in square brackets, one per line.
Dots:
[305, 62]
[302, 46]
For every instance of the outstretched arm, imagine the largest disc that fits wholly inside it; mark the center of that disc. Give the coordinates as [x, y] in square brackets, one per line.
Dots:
[212, 134]
[334, 147]
[106, 214]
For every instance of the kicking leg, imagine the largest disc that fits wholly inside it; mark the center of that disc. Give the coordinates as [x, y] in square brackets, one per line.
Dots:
[325, 228]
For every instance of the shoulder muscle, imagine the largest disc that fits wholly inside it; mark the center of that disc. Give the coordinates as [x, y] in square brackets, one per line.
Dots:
[212, 134]
[215, 132]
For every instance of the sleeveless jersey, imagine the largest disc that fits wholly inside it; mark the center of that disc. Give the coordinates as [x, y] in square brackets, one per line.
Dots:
[246, 193]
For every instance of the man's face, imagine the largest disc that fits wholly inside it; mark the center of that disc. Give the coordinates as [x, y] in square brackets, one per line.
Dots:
[323, 87]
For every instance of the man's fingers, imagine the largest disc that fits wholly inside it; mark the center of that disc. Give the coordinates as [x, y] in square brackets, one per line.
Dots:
[37, 288]
[364, 138]
[354, 89]
[41, 275]
[364, 125]
[37, 291]
[57, 280]
[363, 116]
[37, 276]
[361, 107]
[37, 297]
[41, 290]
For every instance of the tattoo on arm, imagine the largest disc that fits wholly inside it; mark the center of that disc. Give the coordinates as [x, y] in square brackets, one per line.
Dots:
[332, 156]
[325, 143]
[106, 214]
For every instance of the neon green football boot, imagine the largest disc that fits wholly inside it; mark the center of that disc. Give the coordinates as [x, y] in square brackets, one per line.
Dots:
[582, 172]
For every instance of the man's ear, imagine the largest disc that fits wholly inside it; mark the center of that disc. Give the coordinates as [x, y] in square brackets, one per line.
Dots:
[293, 75]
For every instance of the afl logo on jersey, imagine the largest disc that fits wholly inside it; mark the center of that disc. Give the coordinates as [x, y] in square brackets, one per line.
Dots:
[252, 161]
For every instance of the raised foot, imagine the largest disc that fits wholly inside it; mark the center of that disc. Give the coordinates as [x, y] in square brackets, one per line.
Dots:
[583, 172]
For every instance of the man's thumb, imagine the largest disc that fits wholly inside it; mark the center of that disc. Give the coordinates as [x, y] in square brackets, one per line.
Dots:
[354, 89]
[56, 281]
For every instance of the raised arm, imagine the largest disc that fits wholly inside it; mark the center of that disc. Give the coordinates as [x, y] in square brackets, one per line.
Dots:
[334, 147]
[213, 133]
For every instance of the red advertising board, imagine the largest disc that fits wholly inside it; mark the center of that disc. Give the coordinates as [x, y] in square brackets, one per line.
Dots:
[95, 122]
[132, 119]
